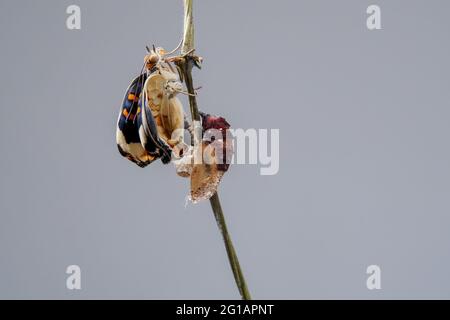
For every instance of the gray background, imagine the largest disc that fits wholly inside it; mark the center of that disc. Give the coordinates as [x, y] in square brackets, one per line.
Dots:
[364, 173]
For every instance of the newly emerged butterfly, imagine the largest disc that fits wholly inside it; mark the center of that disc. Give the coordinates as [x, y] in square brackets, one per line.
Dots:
[139, 135]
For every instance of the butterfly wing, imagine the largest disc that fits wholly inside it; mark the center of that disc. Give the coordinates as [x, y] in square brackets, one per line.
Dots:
[172, 118]
[148, 131]
[128, 122]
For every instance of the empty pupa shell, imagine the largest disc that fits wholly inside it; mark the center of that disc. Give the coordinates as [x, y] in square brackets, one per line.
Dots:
[205, 176]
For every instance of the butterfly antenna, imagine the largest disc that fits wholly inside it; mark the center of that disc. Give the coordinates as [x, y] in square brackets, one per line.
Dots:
[175, 50]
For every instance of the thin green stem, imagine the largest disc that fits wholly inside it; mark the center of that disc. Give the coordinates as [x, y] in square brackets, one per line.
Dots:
[186, 66]
[232, 256]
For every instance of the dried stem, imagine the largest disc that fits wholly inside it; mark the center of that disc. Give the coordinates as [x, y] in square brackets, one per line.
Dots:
[186, 66]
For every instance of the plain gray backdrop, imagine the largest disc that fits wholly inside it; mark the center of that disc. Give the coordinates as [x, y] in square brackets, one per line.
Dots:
[364, 153]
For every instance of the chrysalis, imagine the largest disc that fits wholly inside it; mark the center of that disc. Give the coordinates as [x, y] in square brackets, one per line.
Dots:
[215, 158]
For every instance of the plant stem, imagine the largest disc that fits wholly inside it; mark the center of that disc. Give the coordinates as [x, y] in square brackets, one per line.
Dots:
[232, 256]
[186, 66]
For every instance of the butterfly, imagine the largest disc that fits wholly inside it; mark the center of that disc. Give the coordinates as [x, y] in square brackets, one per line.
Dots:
[151, 117]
